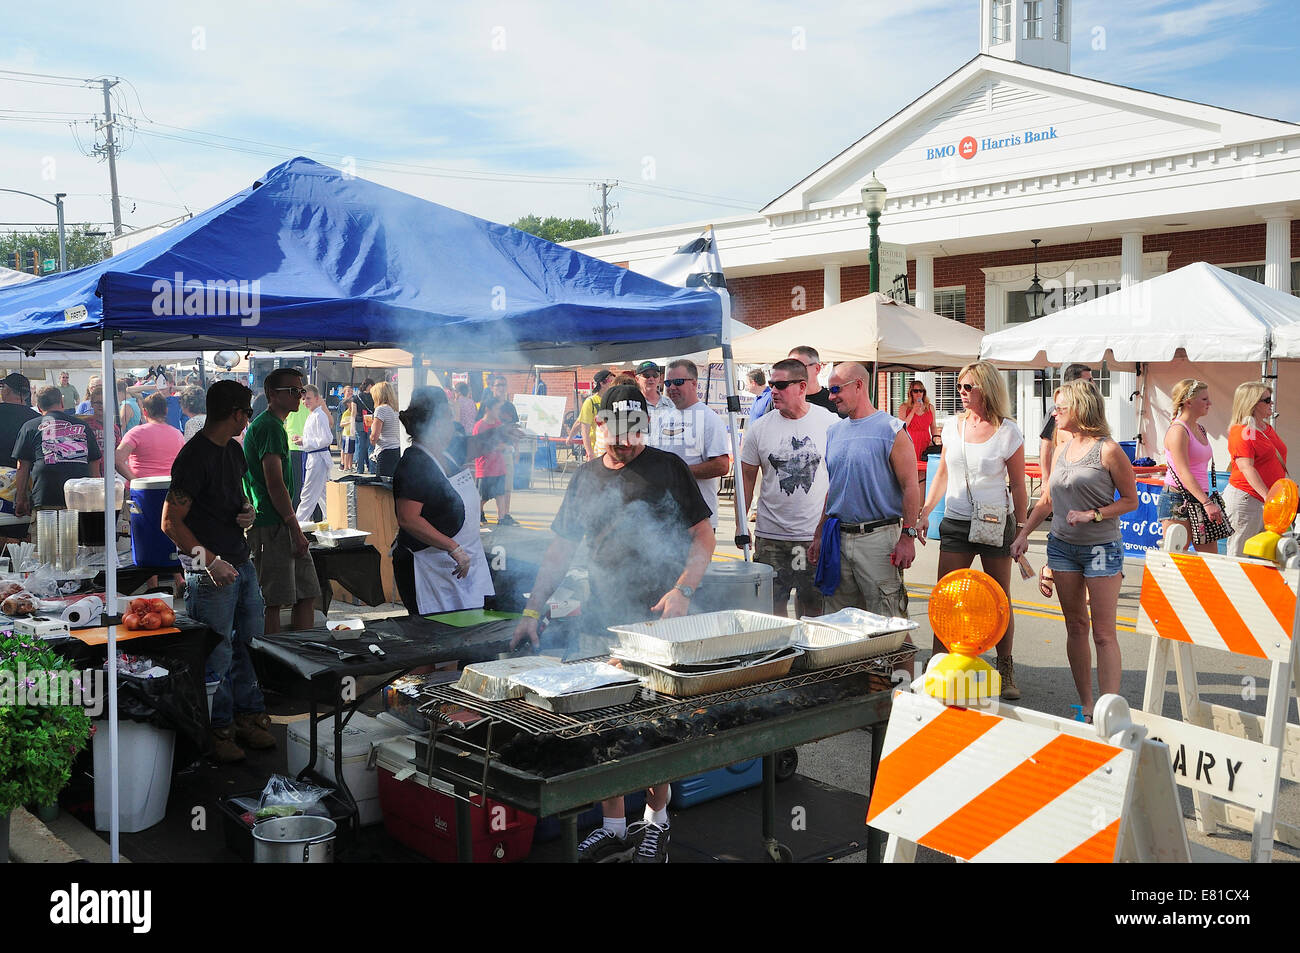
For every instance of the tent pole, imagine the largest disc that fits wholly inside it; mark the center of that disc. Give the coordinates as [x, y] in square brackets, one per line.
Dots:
[110, 590]
[733, 428]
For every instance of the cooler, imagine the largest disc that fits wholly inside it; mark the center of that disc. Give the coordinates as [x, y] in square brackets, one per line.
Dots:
[717, 783]
[144, 775]
[359, 734]
[424, 819]
[149, 544]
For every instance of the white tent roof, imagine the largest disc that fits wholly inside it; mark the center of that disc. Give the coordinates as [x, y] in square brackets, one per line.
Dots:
[872, 328]
[1286, 341]
[1207, 313]
[10, 277]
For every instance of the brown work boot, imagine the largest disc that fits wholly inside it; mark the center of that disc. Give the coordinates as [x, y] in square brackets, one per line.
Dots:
[252, 728]
[224, 749]
[1007, 669]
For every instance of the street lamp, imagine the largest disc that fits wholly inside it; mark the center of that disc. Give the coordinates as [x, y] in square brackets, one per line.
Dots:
[58, 208]
[873, 200]
[1035, 296]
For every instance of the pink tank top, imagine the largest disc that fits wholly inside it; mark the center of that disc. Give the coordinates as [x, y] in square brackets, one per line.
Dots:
[1198, 460]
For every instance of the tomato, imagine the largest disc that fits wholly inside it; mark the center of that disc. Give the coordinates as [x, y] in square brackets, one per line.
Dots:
[151, 621]
[131, 620]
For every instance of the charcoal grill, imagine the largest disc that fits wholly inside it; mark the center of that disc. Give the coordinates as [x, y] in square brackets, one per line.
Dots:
[471, 761]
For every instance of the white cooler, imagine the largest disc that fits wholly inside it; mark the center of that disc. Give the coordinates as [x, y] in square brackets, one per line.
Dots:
[144, 775]
[358, 735]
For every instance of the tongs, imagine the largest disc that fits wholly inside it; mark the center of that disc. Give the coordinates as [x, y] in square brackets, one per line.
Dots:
[343, 656]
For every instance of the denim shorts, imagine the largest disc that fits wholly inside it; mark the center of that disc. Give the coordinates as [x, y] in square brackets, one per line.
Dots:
[1172, 505]
[1098, 559]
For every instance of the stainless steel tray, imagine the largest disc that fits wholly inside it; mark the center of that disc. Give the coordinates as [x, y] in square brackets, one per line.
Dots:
[705, 637]
[493, 681]
[824, 646]
[571, 702]
[667, 681]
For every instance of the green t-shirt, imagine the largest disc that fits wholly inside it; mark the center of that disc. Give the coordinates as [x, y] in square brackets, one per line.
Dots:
[295, 422]
[265, 435]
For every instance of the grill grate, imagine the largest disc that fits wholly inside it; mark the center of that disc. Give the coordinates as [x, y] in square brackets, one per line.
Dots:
[648, 707]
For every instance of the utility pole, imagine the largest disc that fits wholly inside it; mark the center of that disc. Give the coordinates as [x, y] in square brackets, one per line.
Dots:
[605, 208]
[110, 149]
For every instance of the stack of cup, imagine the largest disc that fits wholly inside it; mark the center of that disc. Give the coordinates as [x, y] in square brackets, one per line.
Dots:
[47, 537]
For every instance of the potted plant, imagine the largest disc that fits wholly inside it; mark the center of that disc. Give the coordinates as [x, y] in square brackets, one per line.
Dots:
[42, 725]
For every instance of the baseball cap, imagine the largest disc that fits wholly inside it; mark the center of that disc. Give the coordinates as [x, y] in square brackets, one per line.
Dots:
[601, 376]
[624, 411]
[18, 383]
[648, 367]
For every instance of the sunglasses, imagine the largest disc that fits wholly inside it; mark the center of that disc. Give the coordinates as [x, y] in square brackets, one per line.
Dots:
[839, 387]
[296, 391]
[1058, 409]
[244, 410]
[918, 391]
[677, 381]
[967, 388]
[1265, 400]
[782, 385]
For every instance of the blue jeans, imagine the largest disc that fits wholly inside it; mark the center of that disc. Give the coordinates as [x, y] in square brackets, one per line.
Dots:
[237, 613]
[362, 456]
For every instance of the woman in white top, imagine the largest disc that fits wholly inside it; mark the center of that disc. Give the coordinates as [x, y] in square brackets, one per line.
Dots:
[385, 432]
[983, 450]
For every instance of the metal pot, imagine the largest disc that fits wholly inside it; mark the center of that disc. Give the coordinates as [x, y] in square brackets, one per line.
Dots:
[735, 584]
[294, 840]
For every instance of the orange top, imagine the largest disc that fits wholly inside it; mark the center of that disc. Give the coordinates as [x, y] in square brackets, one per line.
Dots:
[1265, 447]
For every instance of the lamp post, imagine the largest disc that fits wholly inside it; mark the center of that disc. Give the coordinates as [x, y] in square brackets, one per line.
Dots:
[873, 200]
[58, 208]
[1035, 296]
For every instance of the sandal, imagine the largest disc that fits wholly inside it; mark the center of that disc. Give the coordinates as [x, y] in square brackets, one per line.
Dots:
[1045, 584]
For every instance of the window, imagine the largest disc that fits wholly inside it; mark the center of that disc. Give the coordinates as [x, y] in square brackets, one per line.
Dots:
[1033, 11]
[1001, 21]
[1058, 297]
[948, 304]
[1061, 29]
[1046, 381]
[944, 396]
[1256, 273]
[898, 384]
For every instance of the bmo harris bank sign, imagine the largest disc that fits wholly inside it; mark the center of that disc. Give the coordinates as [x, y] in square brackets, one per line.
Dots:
[969, 146]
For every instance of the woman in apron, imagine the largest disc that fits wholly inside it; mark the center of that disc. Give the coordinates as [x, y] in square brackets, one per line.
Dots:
[438, 559]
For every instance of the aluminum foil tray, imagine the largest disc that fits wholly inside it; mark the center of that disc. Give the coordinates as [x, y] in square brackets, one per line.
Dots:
[572, 702]
[341, 538]
[705, 637]
[493, 681]
[861, 622]
[824, 646]
[668, 681]
[577, 677]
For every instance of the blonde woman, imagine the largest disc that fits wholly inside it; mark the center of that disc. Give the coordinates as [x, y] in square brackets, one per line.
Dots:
[385, 430]
[1188, 453]
[1258, 461]
[917, 415]
[1084, 550]
[347, 438]
[983, 452]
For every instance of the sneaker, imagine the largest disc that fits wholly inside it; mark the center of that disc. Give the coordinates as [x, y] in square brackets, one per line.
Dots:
[654, 845]
[224, 749]
[253, 729]
[507, 520]
[603, 846]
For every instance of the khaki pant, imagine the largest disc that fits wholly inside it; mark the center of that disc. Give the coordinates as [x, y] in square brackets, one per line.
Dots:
[1246, 514]
[868, 580]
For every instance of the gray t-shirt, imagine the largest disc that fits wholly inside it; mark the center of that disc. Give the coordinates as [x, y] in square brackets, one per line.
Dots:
[1083, 485]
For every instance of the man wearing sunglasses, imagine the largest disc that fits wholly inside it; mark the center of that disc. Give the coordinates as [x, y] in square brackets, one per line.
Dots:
[817, 394]
[205, 515]
[789, 447]
[693, 432]
[649, 376]
[284, 567]
[874, 495]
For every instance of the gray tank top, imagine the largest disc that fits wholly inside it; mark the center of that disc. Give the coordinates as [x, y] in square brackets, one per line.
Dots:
[1084, 485]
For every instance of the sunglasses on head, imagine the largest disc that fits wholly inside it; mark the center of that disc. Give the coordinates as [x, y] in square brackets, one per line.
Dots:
[782, 385]
[677, 381]
[839, 387]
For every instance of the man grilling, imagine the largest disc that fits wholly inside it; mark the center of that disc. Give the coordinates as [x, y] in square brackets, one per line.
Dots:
[649, 539]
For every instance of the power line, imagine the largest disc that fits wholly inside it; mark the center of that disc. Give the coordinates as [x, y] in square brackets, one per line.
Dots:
[15, 72]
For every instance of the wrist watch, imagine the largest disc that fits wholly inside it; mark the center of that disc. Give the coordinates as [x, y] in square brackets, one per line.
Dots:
[1096, 516]
[911, 531]
[687, 591]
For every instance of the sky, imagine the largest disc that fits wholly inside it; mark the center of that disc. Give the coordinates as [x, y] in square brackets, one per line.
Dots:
[698, 111]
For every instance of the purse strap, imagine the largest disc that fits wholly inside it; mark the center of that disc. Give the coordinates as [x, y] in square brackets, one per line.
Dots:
[966, 469]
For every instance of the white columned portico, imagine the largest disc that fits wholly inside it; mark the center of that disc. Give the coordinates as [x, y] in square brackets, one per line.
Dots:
[925, 282]
[1277, 249]
[830, 284]
[1130, 259]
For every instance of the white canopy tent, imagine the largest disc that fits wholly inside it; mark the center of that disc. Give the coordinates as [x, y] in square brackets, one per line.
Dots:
[1197, 321]
[10, 277]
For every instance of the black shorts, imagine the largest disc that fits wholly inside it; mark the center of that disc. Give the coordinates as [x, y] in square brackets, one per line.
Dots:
[954, 537]
[490, 487]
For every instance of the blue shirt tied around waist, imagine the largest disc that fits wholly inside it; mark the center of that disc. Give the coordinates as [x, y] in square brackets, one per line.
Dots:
[827, 578]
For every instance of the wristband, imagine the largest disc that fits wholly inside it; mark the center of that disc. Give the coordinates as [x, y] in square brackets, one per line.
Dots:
[531, 614]
[458, 549]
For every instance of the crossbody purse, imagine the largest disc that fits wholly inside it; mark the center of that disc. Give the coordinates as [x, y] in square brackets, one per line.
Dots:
[987, 520]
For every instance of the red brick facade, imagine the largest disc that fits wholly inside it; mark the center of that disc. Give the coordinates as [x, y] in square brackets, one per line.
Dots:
[766, 299]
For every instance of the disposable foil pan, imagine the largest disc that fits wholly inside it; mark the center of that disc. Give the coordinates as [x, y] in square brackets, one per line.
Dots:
[341, 538]
[705, 637]
[824, 646]
[668, 681]
[571, 702]
[492, 681]
[861, 622]
[578, 687]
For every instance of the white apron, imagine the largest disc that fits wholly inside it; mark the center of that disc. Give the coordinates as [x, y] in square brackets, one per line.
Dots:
[436, 587]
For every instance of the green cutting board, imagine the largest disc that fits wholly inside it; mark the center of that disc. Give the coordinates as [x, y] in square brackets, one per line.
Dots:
[468, 617]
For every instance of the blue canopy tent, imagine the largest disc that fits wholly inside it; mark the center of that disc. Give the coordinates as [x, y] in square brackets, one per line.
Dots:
[309, 258]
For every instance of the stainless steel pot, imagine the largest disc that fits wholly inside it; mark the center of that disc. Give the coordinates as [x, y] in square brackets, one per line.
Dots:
[294, 840]
[735, 584]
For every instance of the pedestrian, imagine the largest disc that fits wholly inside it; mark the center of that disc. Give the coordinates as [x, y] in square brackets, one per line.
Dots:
[1189, 457]
[650, 377]
[94, 417]
[871, 501]
[490, 467]
[762, 394]
[692, 431]
[817, 395]
[293, 427]
[1084, 547]
[632, 496]
[592, 440]
[205, 514]
[279, 549]
[317, 438]
[983, 452]
[1258, 461]
[464, 407]
[789, 448]
[347, 436]
[194, 403]
[363, 407]
[917, 415]
[69, 393]
[50, 450]
[15, 395]
[1047, 438]
[150, 449]
[128, 408]
[385, 430]
[84, 406]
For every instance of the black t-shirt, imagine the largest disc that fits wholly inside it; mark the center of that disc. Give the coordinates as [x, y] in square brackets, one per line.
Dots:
[418, 478]
[362, 403]
[12, 418]
[59, 447]
[636, 521]
[213, 478]
[823, 399]
[1049, 428]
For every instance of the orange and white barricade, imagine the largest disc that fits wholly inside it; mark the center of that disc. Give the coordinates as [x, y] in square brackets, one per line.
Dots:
[1018, 785]
[1247, 608]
